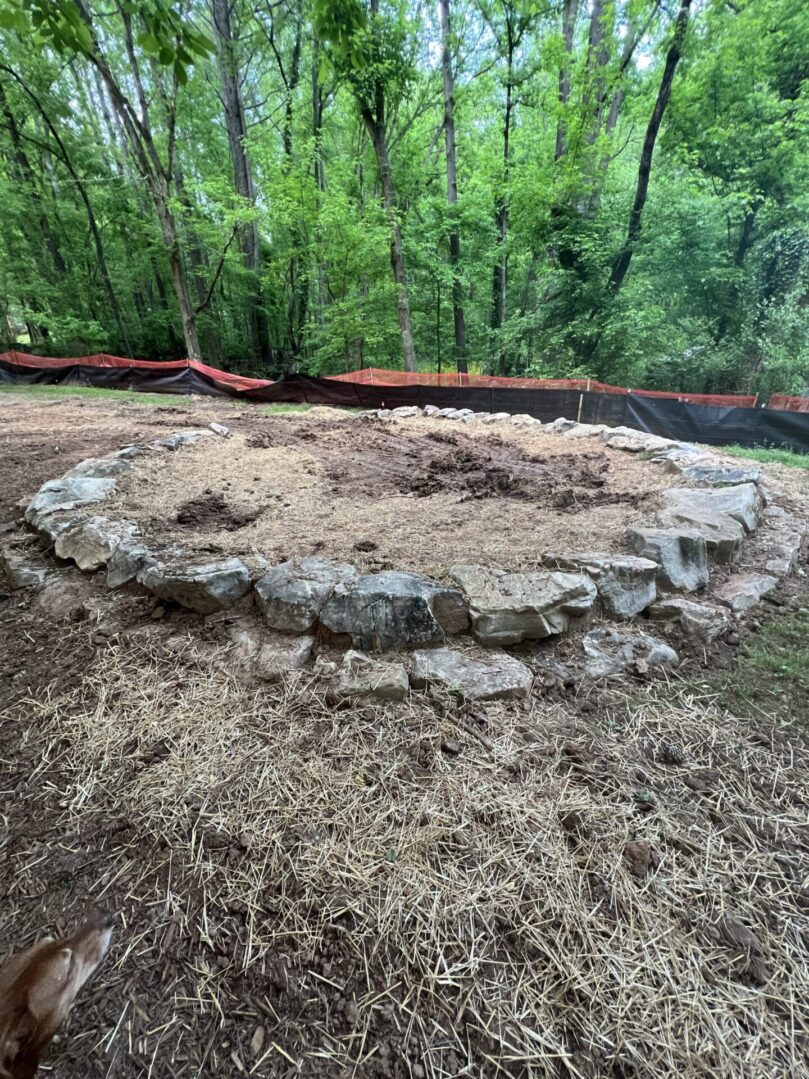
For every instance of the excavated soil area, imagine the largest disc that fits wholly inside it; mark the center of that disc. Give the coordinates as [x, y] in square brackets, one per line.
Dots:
[411, 495]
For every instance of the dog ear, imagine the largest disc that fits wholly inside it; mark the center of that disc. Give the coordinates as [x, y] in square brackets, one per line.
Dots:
[49, 995]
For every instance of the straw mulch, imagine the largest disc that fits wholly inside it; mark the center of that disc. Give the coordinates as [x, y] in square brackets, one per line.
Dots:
[618, 890]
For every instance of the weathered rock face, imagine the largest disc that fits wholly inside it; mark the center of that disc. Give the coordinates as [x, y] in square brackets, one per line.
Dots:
[292, 594]
[744, 590]
[681, 555]
[722, 517]
[490, 677]
[183, 438]
[720, 475]
[23, 568]
[510, 607]
[90, 543]
[113, 464]
[609, 652]
[59, 496]
[742, 503]
[633, 441]
[388, 610]
[259, 655]
[127, 560]
[560, 425]
[201, 586]
[586, 430]
[784, 541]
[405, 412]
[701, 620]
[362, 676]
[496, 417]
[626, 584]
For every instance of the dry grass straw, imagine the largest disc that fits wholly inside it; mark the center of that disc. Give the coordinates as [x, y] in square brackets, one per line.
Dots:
[505, 943]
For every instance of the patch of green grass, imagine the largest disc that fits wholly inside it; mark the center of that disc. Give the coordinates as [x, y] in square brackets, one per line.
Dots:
[772, 672]
[765, 456]
[124, 397]
[274, 410]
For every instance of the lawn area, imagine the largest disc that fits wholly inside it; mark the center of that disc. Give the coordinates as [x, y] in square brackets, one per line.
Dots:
[765, 456]
[772, 675]
[125, 397]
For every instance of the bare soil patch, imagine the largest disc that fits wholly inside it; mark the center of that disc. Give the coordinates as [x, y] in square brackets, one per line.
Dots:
[415, 496]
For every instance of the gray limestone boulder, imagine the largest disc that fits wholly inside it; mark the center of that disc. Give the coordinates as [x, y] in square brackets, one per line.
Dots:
[744, 590]
[586, 430]
[292, 594]
[431, 410]
[262, 656]
[389, 610]
[90, 543]
[491, 677]
[66, 494]
[720, 475]
[204, 587]
[510, 607]
[405, 412]
[722, 516]
[182, 438]
[608, 652]
[496, 417]
[128, 559]
[681, 555]
[23, 568]
[701, 620]
[560, 425]
[362, 676]
[626, 584]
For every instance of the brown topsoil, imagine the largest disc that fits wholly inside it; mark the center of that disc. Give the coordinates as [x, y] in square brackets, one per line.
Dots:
[418, 495]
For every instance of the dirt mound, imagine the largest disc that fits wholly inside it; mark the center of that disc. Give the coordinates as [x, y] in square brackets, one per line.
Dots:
[211, 510]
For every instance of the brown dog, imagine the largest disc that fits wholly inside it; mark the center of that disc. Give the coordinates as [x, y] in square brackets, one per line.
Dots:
[37, 989]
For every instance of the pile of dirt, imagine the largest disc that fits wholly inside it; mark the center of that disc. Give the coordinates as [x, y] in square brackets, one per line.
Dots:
[212, 511]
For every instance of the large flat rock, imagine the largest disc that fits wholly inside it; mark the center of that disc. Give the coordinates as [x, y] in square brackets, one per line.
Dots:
[491, 677]
[258, 655]
[510, 607]
[65, 494]
[723, 517]
[204, 587]
[389, 610]
[363, 676]
[681, 555]
[292, 594]
[608, 652]
[701, 620]
[744, 590]
[626, 584]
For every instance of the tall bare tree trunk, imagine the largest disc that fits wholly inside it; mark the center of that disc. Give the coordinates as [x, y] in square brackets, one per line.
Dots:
[452, 190]
[500, 269]
[569, 13]
[621, 263]
[376, 131]
[242, 173]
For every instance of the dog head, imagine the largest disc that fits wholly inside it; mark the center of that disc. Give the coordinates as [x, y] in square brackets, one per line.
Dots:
[37, 990]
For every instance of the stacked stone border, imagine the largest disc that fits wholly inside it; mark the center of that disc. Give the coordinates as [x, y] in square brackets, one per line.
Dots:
[306, 599]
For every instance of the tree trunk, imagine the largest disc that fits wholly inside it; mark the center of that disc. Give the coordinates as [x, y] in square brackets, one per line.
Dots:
[500, 270]
[376, 130]
[621, 263]
[569, 13]
[452, 191]
[242, 173]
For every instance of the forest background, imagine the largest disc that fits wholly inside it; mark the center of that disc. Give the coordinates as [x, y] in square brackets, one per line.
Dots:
[554, 188]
